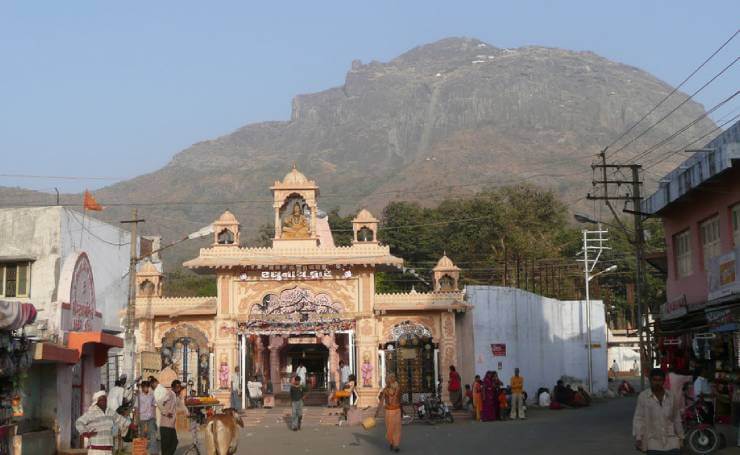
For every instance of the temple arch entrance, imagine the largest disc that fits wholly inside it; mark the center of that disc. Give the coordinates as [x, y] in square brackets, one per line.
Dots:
[188, 348]
[412, 355]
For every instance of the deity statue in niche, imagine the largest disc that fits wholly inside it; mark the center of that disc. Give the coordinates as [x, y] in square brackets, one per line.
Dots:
[223, 372]
[296, 225]
[367, 371]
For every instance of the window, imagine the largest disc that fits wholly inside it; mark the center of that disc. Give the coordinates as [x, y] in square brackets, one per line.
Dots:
[365, 235]
[225, 237]
[682, 249]
[736, 224]
[14, 277]
[710, 245]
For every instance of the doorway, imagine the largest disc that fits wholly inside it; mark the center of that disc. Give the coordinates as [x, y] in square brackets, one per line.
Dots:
[315, 358]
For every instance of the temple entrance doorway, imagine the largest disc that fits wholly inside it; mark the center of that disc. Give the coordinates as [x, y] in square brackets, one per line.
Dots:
[413, 356]
[315, 359]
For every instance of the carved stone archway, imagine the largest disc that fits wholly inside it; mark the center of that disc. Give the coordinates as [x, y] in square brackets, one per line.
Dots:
[186, 345]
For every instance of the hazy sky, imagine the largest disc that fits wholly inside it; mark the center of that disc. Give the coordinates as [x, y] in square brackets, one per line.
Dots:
[115, 89]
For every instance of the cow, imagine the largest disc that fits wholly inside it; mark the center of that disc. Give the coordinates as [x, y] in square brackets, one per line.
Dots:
[222, 434]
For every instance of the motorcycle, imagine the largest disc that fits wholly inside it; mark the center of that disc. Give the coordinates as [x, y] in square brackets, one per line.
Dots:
[701, 436]
[432, 410]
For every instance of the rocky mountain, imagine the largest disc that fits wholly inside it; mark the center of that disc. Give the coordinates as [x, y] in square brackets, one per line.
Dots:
[442, 119]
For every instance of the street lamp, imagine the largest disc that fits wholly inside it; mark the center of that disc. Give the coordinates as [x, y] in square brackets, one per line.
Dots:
[638, 242]
[593, 242]
[606, 270]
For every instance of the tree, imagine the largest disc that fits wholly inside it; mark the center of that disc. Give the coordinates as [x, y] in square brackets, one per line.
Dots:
[341, 227]
[479, 233]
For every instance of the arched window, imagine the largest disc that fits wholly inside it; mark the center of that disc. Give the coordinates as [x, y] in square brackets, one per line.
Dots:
[446, 283]
[225, 237]
[365, 235]
[147, 288]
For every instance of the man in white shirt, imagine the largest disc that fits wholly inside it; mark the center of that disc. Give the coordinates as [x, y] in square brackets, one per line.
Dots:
[615, 369]
[344, 372]
[115, 396]
[301, 373]
[236, 402]
[657, 425]
[168, 408]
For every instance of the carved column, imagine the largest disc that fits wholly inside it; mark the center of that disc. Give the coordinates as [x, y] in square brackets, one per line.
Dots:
[276, 344]
[330, 342]
[278, 223]
[447, 351]
[367, 349]
[259, 355]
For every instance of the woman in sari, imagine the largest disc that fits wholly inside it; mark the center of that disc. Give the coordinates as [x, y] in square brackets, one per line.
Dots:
[496, 391]
[477, 397]
[489, 398]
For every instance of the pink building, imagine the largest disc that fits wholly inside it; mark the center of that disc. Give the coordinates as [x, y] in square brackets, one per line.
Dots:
[699, 203]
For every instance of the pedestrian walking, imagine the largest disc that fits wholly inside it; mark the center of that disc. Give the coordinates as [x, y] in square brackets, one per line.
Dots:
[145, 406]
[236, 402]
[656, 425]
[297, 391]
[98, 425]
[455, 388]
[390, 398]
[168, 413]
[614, 369]
[517, 395]
[477, 398]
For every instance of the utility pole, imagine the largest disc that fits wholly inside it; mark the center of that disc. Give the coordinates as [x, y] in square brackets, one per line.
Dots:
[638, 241]
[593, 241]
[130, 339]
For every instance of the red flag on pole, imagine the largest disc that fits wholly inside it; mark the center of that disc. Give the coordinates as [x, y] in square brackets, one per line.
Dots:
[90, 203]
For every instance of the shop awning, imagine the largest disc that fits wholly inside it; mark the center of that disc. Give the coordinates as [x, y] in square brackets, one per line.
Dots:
[50, 352]
[14, 314]
[101, 342]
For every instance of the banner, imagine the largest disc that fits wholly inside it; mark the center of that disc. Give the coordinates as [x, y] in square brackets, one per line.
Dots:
[723, 277]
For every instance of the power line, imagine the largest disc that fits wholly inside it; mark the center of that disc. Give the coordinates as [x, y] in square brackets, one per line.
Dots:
[677, 107]
[674, 90]
[682, 149]
[685, 127]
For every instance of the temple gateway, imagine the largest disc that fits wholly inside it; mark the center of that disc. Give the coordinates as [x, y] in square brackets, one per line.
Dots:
[306, 301]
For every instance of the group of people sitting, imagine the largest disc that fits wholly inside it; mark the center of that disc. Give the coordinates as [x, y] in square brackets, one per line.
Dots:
[563, 396]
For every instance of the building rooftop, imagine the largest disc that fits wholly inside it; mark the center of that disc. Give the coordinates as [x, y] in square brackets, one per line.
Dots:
[716, 157]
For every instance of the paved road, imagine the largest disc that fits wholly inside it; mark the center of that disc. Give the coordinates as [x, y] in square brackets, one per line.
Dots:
[604, 428]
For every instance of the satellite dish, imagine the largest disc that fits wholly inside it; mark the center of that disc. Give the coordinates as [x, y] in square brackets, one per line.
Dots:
[320, 213]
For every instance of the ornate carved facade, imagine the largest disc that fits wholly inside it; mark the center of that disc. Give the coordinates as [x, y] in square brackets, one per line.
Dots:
[302, 301]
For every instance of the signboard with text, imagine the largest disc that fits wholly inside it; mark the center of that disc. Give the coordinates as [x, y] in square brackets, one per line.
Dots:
[498, 349]
[723, 277]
